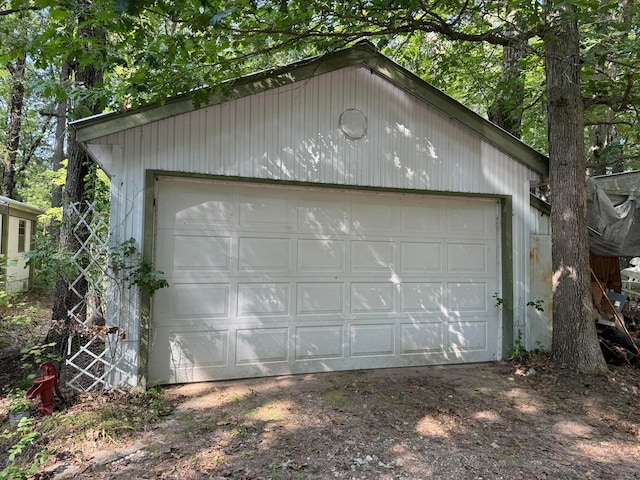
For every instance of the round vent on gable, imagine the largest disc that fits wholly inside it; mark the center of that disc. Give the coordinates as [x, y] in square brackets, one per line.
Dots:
[353, 123]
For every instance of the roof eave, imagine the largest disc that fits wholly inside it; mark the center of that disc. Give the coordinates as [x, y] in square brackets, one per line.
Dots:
[9, 206]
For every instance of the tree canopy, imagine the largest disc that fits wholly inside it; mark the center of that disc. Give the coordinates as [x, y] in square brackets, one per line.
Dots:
[156, 49]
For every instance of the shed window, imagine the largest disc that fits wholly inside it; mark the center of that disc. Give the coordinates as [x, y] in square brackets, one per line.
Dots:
[22, 230]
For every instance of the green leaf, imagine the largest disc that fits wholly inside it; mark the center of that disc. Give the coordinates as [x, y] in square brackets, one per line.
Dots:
[123, 6]
[217, 18]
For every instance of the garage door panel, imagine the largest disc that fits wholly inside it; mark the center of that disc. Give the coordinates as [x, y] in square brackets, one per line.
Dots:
[467, 258]
[320, 299]
[266, 211]
[198, 208]
[372, 298]
[320, 255]
[323, 216]
[262, 345]
[201, 253]
[422, 218]
[263, 299]
[466, 336]
[421, 257]
[467, 297]
[201, 348]
[164, 251]
[187, 352]
[421, 297]
[372, 256]
[187, 252]
[263, 254]
[192, 209]
[269, 280]
[193, 303]
[421, 337]
[320, 342]
[372, 340]
[372, 218]
[470, 219]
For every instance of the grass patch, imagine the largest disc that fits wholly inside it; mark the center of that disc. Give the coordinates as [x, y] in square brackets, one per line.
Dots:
[274, 411]
[335, 396]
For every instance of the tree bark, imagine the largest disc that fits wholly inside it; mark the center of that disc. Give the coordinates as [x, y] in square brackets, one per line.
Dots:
[61, 128]
[86, 75]
[78, 168]
[506, 110]
[17, 71]
[601, 161]
[575, 341]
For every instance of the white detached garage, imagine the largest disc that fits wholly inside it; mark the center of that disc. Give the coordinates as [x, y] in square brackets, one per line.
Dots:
[336, 214]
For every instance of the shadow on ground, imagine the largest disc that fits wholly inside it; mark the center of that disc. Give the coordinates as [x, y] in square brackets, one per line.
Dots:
[486, 421]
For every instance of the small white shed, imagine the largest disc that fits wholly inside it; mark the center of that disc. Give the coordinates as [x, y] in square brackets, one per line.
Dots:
[18, 225]
[338, 213]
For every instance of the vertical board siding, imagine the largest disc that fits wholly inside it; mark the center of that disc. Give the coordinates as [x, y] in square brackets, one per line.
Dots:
[540, 222]
[512, 177]
[292, 133]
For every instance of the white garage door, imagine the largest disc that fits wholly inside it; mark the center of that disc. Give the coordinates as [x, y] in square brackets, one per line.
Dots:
[268, 280]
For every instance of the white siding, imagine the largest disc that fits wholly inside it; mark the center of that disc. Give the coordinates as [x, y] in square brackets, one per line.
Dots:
[539, 325]
[292, 133]
[540, 222]
[538, 333]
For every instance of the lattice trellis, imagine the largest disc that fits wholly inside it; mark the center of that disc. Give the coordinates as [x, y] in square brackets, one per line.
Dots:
[90, 354]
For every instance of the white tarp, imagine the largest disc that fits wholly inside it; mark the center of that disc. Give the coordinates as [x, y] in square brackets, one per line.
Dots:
[613, 210]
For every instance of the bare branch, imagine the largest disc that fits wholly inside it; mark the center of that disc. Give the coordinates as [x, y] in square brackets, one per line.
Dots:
[626, 96]
[392, 21]
[11, 11]
[616, 104]
[615, 122]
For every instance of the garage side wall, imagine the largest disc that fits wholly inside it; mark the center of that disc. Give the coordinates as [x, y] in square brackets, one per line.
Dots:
[539, 325]
[345, 128]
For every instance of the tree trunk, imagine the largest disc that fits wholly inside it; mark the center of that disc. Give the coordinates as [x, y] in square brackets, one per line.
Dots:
[575, 342]
[605, 150]
[61, 128]
[506, 110]
[80, 166]
[17, 71]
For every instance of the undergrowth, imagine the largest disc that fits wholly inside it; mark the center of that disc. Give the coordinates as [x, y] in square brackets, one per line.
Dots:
[24, 319]
[94, 422]
[90, 422]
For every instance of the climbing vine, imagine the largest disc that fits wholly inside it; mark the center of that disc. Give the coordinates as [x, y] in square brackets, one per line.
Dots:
[126, 264]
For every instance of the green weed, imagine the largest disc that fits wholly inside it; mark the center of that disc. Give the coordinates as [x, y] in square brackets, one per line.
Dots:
[518, 351]
[23, 448]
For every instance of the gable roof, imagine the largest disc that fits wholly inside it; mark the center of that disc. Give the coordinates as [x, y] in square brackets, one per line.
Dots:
[361, 54]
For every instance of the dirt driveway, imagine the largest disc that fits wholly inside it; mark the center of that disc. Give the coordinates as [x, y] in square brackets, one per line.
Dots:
[485, 421]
